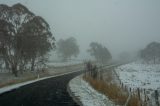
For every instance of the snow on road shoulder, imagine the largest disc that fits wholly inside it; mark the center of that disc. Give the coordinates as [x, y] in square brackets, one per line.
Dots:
[140, 75]
[86, 94]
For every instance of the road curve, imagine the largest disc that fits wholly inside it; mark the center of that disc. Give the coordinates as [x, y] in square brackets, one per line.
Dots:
[49, 92]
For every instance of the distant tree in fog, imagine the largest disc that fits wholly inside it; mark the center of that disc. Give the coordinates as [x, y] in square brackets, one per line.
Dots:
[99, 52]
[151, 52]
[24, 37]
[67, 48]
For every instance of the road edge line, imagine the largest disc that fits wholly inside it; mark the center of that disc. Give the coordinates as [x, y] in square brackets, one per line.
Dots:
[18, 85]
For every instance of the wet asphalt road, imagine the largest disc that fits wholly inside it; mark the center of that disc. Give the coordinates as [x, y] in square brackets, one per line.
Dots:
[49, 92]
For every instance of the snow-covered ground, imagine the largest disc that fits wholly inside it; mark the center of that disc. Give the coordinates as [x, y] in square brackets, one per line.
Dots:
[140, 75]
[143, 76]
[87, 95]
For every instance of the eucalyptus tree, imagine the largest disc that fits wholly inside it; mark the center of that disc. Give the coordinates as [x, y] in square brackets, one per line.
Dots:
[151, 52]
[27, 37]
[67, 48]
[36, 40]
[99, 52]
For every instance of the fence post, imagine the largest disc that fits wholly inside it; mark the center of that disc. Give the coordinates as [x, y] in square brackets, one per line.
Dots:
[156, 97]
[138, 93]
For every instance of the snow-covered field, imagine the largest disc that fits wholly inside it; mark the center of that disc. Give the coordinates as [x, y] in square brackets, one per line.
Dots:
[87, 95]
[142, 76]
[136, 75]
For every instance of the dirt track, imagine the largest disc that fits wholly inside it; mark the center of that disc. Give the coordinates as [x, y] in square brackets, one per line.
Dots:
[50, 92]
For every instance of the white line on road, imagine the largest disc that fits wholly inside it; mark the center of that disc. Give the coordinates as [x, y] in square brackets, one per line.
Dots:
[16, 86]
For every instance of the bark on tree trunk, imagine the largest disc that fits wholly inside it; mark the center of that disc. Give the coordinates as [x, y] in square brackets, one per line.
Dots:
[32, 64]
[6, 64]
[21, 69]
[14, 70]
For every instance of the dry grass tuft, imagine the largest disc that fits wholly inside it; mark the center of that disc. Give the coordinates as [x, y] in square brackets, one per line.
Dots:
[112, 91]
[134, 101]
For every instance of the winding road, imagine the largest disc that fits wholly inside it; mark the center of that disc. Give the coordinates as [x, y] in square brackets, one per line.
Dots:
[49, 92]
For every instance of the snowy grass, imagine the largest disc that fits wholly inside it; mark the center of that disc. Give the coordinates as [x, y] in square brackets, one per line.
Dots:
[145, 77]
[137, 75]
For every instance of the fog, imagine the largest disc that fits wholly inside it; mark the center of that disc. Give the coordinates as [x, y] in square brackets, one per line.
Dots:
[120, 25]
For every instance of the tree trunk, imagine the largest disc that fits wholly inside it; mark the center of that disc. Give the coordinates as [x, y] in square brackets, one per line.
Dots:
[14, 70]
[21, 69]
[6, 64]
[32, 64]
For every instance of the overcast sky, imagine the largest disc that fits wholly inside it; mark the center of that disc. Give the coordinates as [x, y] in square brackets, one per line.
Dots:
[120, 25]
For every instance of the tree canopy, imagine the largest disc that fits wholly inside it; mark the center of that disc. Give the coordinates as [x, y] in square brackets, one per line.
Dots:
[151, 52]
[67, 48]
[25, 37]
[99, 52]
